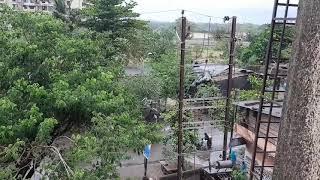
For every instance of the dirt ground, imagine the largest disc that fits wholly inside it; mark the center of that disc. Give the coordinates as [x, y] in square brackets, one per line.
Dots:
[135, 172]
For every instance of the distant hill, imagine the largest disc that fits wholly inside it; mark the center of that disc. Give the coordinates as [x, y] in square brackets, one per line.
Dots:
[203, 27]
[156, 25]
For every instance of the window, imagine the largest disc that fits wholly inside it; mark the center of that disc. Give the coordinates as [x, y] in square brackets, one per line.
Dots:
[31, 7]
[44, 8]
[14, 1]
[25, 7]
[25, 1]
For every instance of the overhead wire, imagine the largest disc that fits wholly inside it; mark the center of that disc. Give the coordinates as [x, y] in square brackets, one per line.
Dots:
[157, 12]
[186, 10]
[246, 19]
[202, 14]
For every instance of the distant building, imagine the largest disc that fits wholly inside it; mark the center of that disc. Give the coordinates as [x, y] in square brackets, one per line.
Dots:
[40, 5]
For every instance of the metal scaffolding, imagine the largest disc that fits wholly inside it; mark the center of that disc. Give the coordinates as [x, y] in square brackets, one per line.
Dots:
[272, 72]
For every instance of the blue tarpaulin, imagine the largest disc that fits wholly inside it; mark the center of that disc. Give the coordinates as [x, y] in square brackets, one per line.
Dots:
[147, 151]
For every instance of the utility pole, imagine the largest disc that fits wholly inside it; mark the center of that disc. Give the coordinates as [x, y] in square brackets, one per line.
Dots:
[181, 93]
[229, 86]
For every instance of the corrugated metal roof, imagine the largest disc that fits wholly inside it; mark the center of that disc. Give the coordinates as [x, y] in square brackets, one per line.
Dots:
[254, 106]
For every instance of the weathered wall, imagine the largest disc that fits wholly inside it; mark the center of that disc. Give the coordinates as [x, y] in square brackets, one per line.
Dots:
[249, 121]
[241, 82]
[298, 156]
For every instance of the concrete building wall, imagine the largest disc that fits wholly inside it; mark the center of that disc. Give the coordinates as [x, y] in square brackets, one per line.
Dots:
[38, 5]
[30, 5]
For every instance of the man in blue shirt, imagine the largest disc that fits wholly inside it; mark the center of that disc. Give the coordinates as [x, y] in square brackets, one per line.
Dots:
[233, 157]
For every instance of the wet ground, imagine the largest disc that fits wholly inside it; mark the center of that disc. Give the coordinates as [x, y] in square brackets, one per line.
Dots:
[134, 167]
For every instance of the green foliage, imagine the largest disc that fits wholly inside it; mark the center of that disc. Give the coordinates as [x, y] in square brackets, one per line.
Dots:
[255, 82]
[249, 95]
[52, 79]
[130, 35]
[70, 16]
[60, 6]
[190, 137]
[145, 87]
[255, 53]
[12, 151]
[116, 19]
[113, 132]
[253, 93]
[163, 42]
[238, 175]
[208, 90]
[45, 130]
[115, 16]
[166, 69]
[7, 172]
[217, 113]
[256, 50]
[146, 43]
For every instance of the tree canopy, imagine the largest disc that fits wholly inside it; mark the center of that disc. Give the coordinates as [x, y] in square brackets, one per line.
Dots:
[255, 53]
[53, 79]
[115, 16]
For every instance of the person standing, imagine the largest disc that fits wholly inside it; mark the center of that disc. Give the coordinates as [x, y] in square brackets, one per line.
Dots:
[233, 157]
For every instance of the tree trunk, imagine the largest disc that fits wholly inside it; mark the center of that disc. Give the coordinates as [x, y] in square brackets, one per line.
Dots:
[298, 156]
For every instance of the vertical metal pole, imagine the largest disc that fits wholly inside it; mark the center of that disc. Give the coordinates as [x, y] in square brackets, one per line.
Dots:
[234, 116]
[229, 86]
[267, 62]
[181, 93]
[145, 167]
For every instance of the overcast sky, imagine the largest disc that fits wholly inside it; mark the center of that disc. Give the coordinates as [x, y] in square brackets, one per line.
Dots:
[251, 11]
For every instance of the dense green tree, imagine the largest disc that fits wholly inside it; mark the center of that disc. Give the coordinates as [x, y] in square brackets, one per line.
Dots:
[53, 79]
[63, 11]
[207, 90]
[115, 16]
[147, 44]
[255, 53]
[191, 141]
[148, 87]
[165, 42]
[166, 68]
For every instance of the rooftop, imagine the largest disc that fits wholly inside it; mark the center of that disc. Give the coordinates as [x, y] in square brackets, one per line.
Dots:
[254, 106]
